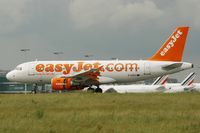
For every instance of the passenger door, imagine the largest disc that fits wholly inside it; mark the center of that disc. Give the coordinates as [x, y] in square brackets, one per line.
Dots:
[31, 69]
[147, 68]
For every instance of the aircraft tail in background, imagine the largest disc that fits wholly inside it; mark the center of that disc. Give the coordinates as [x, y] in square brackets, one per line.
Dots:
[160, 80]
[188, 80]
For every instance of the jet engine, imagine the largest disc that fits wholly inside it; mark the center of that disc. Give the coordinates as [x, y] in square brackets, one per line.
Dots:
[64, 84]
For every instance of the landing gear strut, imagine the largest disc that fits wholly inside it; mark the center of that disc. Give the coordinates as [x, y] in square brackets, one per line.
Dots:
[98, 90]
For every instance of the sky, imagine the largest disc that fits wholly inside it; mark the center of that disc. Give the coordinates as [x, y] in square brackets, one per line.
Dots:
[124, 29]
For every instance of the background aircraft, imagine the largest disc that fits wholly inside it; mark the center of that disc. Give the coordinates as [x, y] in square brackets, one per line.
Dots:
[185, 86]
[156, 86]
[159, 85]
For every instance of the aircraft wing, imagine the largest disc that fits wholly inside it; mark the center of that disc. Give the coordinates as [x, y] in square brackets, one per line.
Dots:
[90, 77]
[172, 66]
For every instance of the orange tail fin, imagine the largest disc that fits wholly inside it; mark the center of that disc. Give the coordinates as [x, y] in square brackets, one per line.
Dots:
[172, 49]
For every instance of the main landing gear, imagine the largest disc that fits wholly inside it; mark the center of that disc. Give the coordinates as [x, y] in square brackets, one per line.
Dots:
[96, 90]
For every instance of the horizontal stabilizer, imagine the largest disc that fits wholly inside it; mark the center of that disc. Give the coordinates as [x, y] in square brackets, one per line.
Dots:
[172, 66]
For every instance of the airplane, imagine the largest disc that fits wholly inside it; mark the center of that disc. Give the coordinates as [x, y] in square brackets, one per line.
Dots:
[76, 75]
[185, 86]
[156, 86]
[159, 85]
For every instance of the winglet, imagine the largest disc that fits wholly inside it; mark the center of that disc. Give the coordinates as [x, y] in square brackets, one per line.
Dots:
[172, 49]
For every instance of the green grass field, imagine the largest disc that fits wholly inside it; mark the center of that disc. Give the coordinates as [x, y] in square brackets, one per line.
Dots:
[104, 113]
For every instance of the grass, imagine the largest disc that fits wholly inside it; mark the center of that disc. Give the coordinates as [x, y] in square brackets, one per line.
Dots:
[103, 113]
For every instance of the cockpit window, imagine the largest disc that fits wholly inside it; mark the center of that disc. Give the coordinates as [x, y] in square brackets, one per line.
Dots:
[18, 68]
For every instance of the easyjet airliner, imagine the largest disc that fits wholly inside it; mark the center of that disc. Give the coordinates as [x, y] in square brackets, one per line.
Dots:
[72, 75]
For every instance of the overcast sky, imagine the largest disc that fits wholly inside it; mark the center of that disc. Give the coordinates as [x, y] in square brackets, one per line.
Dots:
[126, 29]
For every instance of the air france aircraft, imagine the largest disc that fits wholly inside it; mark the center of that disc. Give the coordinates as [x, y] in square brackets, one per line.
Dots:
[160, 85]
[156, 86]
[185, 86]
[194, 86]
[73, 75]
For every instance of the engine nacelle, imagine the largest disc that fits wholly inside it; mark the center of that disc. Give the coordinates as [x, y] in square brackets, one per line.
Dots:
[62, 83]
[65, 84]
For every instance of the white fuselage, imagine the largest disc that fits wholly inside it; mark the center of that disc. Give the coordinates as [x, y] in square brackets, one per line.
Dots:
[196, 86]
[112, 71]
[132, 88]
[175, 88]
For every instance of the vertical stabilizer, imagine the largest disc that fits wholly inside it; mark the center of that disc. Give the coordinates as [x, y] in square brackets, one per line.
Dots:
[172, 49]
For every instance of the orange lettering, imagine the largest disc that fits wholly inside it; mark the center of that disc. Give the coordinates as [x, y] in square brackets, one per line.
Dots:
[136, 67]
[68, 68]
[49, 68]
[58, 67]
[96, 65]
[109, 67]
[80, 67]
[87, 67]
[129, 66]
[119, 67]
[40, 67]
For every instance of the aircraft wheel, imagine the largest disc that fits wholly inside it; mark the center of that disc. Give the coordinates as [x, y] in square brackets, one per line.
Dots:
[98, 90]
